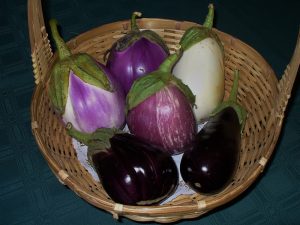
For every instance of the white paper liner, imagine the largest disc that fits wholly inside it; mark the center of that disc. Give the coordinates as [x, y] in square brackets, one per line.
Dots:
[182, 188]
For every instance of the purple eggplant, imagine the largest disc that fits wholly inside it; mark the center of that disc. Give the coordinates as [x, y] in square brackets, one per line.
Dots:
[82, 91]
[136, 54]
[159, 109]
[210, 165]
[132, 171]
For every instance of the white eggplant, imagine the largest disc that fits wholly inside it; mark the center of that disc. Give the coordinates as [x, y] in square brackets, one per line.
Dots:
[201, 66]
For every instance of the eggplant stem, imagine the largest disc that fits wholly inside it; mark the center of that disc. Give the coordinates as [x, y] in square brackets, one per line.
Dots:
[63, 50]
[232, 102]
[209, 20]
[169, 62]
[133, 24]
[234, 89]
[82, 137]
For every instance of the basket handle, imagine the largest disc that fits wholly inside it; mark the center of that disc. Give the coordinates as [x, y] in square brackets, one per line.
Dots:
[287, 80]
[41, 52]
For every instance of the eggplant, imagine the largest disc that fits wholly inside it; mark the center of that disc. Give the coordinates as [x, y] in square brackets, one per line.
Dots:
[82, 91]
[210, 165]
[131, 171]
[201, 66]
[137, 53]
[159, 109]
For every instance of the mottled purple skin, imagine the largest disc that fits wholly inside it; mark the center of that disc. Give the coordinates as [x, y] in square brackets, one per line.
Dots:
[89, 108]
[165, 119]
[134, 172]
[141, 58]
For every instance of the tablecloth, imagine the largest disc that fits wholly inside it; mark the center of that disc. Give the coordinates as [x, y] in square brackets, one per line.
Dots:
[29, 192]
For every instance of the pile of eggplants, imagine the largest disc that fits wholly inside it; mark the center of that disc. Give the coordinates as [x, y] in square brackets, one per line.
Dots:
[147, 88]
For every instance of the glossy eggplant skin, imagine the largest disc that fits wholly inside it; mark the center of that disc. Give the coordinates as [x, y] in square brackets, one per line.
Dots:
[210, 165]
[134, 172]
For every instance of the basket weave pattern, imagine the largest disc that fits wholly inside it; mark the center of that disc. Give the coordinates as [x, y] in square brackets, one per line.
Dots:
[264, 97]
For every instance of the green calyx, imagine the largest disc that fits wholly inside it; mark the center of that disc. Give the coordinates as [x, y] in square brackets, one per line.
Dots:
[81, 64]
[97, 141]
[147, 85]
[155, 38]
[232, 102]
[135, 34]
[195, 34]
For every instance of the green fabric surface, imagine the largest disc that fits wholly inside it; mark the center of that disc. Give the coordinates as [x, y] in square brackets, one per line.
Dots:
[29, 192]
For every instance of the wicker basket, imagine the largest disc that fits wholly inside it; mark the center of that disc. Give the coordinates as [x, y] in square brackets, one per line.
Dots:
[264, 97]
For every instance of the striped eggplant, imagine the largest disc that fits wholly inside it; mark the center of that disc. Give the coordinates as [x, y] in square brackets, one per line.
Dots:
[159, 109]
[82, 91]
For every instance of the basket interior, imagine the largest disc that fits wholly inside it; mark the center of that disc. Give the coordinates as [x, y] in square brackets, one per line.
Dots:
[257, 93]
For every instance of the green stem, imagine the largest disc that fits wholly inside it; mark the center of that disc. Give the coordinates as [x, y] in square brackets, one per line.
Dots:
[169, 62]
[234, 89]
[133, 25]
[232, 102]
[81, 137]
[63, 50]
[210, 17]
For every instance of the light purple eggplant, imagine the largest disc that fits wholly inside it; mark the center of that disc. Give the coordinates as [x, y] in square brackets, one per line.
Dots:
[89, 107]
[83, 92]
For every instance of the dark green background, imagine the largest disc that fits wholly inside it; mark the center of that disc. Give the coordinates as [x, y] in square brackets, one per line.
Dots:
[29, 192]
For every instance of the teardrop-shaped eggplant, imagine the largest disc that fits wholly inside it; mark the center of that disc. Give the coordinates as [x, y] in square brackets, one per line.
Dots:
[83, 91]
[132, 171]
[210, 165]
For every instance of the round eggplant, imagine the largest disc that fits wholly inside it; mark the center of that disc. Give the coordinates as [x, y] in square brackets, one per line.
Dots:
[137, 53]
[159, 109]
[132, 171]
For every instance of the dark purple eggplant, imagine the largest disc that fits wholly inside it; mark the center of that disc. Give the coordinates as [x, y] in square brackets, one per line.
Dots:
[132, 171]
[210, 165]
